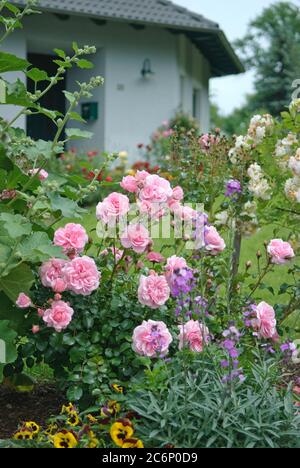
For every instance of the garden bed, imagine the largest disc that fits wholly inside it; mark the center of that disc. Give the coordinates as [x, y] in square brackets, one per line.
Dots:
[44, 402]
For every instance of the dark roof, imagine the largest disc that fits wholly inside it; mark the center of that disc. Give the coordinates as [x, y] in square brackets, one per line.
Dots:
[205, 34]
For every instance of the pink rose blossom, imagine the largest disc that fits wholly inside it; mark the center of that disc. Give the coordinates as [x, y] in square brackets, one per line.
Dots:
[153, 291]
[113, 207]
[136, 237]
[42, 174]
[174, 205]
[130, 184]
[185, 213]
[152, 339]
[155, 257]
[194, 335]
[71, 237]
[265, 323]
[178, 194]
[213, 241]
[207, 140]
[35, 329]
[82, 276]
[174, 263]
[280, 252]
[167, 133]
[59, 316]
[154, 210]
[156, 190]
[140, 177]
[52, 275]
[23, 301]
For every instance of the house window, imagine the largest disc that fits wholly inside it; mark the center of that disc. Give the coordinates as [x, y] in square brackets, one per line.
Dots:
[196, 103]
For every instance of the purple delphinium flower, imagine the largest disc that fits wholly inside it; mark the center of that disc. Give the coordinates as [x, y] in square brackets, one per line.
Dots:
[229, 344]
[249, 315]
[182, 282]
[233, 187]
[288, 349]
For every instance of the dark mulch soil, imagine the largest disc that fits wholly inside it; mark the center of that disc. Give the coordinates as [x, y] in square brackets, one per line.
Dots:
[45, 401]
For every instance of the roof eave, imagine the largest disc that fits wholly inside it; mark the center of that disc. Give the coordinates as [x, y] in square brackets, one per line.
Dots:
[236, 65]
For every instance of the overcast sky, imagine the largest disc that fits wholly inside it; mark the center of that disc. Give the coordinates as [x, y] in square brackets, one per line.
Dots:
[233, 17]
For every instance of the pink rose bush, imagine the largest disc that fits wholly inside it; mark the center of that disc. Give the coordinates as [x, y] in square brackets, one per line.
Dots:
[265, 321]
[194, 335]
[71, 237]
[129, 184]
[52, 275]
[153, 291]
[82, 275]
[58, 316]
[136, 237]
[280, 252]
[79, 275]
[23, 301]
[152, 339]
[112, 208]
[155, 257]
[174, 263]
[156, 190]
[213, 241]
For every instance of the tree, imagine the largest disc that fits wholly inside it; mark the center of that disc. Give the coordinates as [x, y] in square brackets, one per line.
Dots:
[272, 48]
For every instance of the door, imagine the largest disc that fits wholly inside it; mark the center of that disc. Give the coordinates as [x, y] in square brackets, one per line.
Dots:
[39, 126]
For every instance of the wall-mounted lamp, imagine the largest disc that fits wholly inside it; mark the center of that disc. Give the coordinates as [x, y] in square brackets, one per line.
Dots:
[146, 70]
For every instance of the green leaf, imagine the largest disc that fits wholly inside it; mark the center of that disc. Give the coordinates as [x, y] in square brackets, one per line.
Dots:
[38, 248]
[68, 208]
[5, 162]
[75, 47]
[15, 225]
[16, 94]
[51, 114]
[84, 64]
[77, 354]
[16, 177]
[8, 351]
[70, 97]
[8, 311]
[9, 62]
[77, 117]
[18, 280]
[77, 134]
[62, 64]
[41, 148]
[15, 10]
[36, 75]
[74, 393]
[61, 53]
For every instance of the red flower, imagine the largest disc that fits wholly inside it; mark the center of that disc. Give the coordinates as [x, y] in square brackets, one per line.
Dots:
[91, 175]
[109, 179]
[92, 154]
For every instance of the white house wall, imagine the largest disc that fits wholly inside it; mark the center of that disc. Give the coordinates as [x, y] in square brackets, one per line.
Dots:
[14, 44]
[130, 107]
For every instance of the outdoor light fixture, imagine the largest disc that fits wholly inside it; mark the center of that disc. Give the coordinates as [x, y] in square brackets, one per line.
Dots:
[146, 70]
